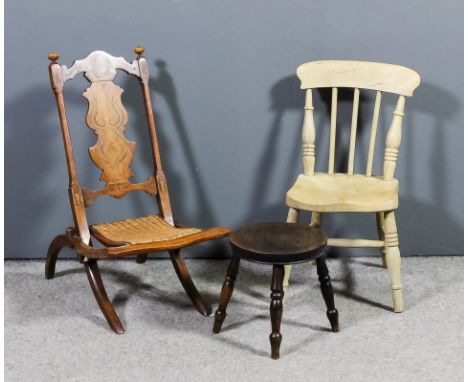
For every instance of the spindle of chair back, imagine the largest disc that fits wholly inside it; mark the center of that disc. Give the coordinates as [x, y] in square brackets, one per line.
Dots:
[107, 117]
[358, 75]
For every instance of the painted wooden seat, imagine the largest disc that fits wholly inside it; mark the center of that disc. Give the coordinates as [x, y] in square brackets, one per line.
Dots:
[349, 192]
[113, 154]
[343, 193]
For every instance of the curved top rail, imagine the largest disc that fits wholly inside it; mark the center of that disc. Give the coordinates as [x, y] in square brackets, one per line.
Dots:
[99, 66]
[358, 74]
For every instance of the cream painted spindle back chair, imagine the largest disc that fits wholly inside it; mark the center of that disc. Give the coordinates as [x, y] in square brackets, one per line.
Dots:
[349, 192]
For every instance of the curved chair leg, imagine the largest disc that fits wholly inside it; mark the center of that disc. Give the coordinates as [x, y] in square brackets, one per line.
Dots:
[141, 258]
[392, 254]
[184, 276]
[55, 247]
[292, 218]
[95, 280]
[380, 231]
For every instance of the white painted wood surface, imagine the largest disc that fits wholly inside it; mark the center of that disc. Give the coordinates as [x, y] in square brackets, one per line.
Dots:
[293, 215]
[331, 151]
[343, 193]
[392, 256]
[358, 74]
[373, 134]
[352, 136]
[99, 66]
[354, 243]
[308, 135]
[320, 192]
[392, 143]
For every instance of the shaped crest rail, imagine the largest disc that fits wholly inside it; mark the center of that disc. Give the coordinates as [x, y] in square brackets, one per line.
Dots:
[119, 190]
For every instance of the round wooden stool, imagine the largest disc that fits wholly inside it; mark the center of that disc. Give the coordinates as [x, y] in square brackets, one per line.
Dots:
[277, 244]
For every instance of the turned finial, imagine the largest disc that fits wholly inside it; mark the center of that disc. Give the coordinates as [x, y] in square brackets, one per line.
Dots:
[53, 56]
[139, 50]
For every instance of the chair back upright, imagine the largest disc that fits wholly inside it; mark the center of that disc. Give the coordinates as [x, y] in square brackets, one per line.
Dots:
[113, 153]
[359, 75]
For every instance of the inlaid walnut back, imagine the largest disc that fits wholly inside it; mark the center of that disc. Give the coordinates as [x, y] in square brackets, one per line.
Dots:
[324, 192]
[113, 154]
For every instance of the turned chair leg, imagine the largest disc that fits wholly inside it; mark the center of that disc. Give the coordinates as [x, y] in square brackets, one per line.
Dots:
[276, 309]
[287, 273]
[327, 293]
[315, 221]
[140, 259]
[55, 247]
[95, 280]
[184, 276]
[380, 232]
[292, 218]
[392, 254]
[226, 293]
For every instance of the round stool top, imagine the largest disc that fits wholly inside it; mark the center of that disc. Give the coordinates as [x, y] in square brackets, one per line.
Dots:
[278, 243]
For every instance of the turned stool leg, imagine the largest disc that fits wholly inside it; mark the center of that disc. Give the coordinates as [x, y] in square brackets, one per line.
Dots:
[276, 309]
[226, 293]
[327, 293]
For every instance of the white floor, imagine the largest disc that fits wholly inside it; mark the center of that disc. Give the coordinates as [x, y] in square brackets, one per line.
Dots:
[54, 330]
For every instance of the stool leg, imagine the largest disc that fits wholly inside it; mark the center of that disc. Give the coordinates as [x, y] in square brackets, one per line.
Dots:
[226, 293]
[327, 293]
[276, 309]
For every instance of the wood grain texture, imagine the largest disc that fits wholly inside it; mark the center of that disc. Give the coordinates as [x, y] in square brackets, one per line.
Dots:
[392, 257]
[95, 281]
[112, 153]
[354, 243]
[124, 250]
[343, 193]
[352, 136]
[308, 136]
[336, 192]
[163, 199]
[380, 232]
[74, 189]
[373, 134]
[358, 74]
[119, 190]
[277, 243]
[60, 241]
[393, 140]
[270, 240]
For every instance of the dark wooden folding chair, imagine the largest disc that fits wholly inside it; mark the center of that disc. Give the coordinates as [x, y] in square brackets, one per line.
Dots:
[113, 155]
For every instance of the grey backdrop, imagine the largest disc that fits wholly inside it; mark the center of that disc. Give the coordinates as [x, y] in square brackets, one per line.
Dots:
[229, 110]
